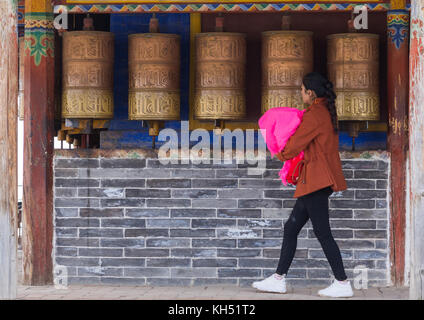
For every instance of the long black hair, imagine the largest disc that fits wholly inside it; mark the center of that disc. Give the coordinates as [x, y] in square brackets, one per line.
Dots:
[323, 88]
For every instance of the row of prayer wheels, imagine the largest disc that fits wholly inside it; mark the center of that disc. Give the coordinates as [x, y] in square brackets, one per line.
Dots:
[352, 65]
[154, 74]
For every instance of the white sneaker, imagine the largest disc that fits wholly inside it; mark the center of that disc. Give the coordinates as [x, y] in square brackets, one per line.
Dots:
[337, 289]
[271, 284]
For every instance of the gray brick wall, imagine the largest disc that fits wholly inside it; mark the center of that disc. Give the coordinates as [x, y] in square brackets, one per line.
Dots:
[135, 221]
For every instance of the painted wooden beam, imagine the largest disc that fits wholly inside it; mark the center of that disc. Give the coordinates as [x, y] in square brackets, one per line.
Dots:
[38, 143]
[397, 136]
[8, 149]
[416, 149]
[179, 2]
[216, 7]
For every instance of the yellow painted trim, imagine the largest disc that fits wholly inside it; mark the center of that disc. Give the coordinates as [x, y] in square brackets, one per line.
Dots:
[376, 126]
[99, 124]
[38, 6]
[241, 125]
[74, 131]
[397, 4]
[65, 128]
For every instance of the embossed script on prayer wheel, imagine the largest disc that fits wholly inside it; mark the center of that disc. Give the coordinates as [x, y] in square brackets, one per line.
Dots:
[88, 74]
[21, 78]
[220, 76]
[154, 76]
[353, 68]
[286, 57]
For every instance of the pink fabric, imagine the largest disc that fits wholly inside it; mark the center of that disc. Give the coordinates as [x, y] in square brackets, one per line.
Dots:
[277, 125]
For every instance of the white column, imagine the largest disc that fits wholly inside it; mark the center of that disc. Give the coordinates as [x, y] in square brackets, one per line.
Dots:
[416, 149]
[8, 150]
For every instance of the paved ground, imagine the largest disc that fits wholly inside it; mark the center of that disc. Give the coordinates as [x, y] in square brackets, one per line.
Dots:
[78, 292]
[227, 292]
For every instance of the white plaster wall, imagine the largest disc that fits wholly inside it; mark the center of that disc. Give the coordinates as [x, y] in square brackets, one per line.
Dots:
[416, 147]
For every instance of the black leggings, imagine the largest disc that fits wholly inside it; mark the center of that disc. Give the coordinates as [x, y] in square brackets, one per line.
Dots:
[315, 207]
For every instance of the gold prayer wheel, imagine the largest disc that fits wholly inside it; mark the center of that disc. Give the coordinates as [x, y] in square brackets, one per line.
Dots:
[352, 61]
[220, 76]
[154, 76]
[21, 78]
[87, 75]
[286, 57]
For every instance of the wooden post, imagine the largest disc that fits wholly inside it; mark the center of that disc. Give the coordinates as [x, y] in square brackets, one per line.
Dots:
[8, 148]
[397, 140]
[416, 149]
[38, 143]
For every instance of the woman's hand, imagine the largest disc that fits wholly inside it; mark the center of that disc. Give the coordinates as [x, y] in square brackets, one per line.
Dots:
[280, 156]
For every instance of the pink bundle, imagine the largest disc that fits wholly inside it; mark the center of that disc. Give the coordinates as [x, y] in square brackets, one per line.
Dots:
[277, 125]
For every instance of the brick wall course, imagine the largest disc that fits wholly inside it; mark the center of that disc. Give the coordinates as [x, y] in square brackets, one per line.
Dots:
[136, 221]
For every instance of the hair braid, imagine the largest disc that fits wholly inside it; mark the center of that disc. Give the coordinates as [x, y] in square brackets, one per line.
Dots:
[331, 105]
[323, 88]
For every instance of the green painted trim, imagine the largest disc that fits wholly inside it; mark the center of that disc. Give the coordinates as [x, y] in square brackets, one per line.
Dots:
[39, 15]
[40, 44]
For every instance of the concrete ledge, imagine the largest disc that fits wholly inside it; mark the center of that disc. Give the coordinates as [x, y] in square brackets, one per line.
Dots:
[89, 292]
[147, 153]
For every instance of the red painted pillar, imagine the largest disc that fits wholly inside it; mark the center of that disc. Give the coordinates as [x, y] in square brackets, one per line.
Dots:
[397, 88]
[38, 143]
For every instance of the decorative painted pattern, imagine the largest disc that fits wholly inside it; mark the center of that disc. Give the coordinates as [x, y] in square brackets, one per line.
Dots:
[203, 8]
[39, 24]
[39, 36]
[204, 1]
[397, 26]
[21, 17]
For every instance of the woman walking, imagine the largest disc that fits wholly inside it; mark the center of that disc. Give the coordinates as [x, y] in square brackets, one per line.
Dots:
[320, 175]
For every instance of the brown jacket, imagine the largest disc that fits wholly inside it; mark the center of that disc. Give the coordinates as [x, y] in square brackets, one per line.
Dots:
[316, 137]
